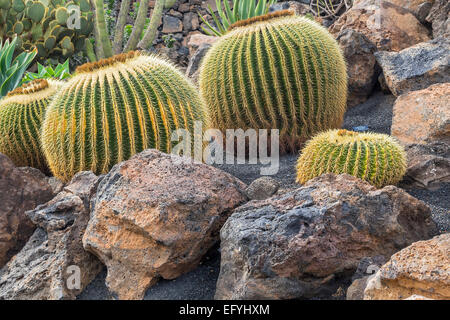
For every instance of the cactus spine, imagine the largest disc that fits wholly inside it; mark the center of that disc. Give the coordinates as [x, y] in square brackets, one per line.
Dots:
[276, 71]
[376, 158]
[21, 115]
[114, 108]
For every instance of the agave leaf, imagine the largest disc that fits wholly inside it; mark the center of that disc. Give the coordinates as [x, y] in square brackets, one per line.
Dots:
[228, 12]
[223, 16]
[6, 85]
[222, 30]
[212, 29]
[260, 8]
[236, 11]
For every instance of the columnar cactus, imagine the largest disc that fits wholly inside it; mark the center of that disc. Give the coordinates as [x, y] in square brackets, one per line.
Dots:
[276, 71]
[376, 158]
[114, 108]
[21, 115]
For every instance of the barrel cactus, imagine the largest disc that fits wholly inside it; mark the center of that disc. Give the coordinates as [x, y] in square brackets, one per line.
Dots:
[278, 71]
[21, 115]
[376, 158]
[114, 108]
[52, 26]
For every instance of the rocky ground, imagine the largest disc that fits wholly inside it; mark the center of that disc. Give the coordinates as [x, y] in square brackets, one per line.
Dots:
[376, 114]
[152, 218]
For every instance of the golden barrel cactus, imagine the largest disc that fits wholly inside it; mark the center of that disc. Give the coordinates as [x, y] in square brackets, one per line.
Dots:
[114, 108]
[277, 71]
[21, 115]
[376, 158]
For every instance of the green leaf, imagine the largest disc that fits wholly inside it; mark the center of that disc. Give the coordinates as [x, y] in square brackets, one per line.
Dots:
[224, 18]
[222, 30]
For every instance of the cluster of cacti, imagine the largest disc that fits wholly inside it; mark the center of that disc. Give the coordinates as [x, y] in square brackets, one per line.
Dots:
[21, 115]
[114, 108]
[376, 158]
[142, 34]
[277, 71]
[52, 26]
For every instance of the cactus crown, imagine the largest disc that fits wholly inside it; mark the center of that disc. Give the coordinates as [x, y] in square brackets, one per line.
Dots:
[31, 87]
[108, 62]
[263, 18]
[376, 158]
[30, 92]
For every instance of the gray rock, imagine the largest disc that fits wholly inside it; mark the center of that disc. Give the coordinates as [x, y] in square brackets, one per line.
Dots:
[56, 184]
[423, 11]
[417, 67]
[262, 188]
[362, 68]
[171, 24]
[368, 266]
[21, 189]
[192, 70]
[428, 165]
[302, 243]
[439, 17]
[300, 7]
[46, 266]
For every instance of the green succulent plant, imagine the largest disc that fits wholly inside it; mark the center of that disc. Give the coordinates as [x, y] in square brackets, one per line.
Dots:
[60, 72]
[114, 108]
[21, 115]
[277, 71]
[48, 25]
[12, 69]
[377, 158]
[127, 37]
[241, 10]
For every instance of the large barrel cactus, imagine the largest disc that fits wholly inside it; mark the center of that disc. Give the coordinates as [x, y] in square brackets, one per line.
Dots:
[21, 115]
[114, 108]
[277, 71]
[376, 158]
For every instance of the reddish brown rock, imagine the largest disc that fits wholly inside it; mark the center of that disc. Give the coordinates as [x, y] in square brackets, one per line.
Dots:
[21, 189]
[156, 215]
[195, 40]
[423, 116]
[356, 289]
[302, 243]
[421, 269]
[412, 5]
[53, 264]
[388, 26]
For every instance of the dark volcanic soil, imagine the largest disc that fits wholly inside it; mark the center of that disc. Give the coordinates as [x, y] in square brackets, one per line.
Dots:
[376, 114]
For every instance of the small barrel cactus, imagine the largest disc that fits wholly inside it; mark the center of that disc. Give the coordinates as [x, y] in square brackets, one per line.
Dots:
[376, 158]
[114, 108]
[277, 71]
[21, 115]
